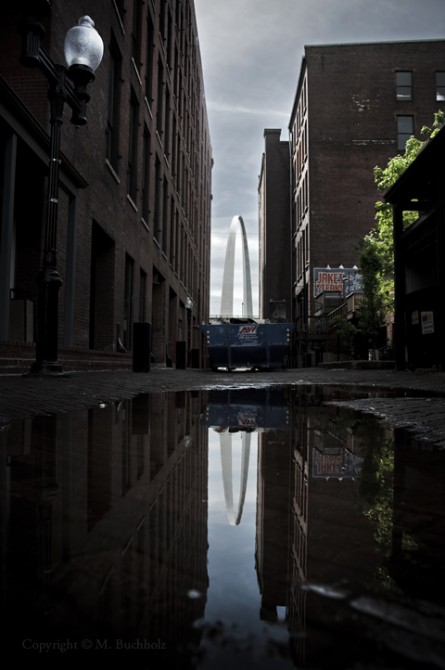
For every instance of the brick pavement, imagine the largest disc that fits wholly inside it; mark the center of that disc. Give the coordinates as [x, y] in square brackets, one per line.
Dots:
[421, 406]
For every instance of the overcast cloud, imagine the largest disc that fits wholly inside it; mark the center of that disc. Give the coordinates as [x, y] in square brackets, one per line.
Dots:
[251, 52]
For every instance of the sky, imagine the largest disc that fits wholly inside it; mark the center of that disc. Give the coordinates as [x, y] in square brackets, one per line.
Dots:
[251, 52]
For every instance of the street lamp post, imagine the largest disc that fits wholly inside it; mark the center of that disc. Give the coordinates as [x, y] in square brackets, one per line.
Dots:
[83, 53]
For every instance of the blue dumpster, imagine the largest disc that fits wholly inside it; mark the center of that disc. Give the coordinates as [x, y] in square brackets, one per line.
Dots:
[260, 346]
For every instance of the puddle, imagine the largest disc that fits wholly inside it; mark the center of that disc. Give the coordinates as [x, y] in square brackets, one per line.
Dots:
[251, 528]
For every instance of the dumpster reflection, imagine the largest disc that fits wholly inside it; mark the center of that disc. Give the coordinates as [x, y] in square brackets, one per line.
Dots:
[247, 409]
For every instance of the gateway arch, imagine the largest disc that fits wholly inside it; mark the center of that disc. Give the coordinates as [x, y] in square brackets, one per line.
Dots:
[227, 474]
[229, 271]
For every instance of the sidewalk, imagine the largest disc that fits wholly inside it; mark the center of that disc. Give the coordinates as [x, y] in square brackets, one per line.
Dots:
[420, 407]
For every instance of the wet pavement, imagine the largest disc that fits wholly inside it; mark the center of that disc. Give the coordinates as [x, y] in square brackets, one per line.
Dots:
[190, 519]
[22, 396]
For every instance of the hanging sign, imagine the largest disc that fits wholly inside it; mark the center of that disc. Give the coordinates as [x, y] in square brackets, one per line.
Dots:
[427, 321]
[337, 280]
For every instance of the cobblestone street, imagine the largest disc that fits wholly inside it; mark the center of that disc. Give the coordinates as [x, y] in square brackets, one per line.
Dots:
[420, 406]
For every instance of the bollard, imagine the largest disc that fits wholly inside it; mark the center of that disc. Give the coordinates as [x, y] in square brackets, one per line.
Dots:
[141, 347]
[181, 351]
[194, 358]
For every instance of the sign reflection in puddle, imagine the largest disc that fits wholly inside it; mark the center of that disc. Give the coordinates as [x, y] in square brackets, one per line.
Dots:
[223, 527]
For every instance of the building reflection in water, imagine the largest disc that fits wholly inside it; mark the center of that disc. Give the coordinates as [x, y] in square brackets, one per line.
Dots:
[367, 540]
[105, 529]
[349, 528]
[104, 520]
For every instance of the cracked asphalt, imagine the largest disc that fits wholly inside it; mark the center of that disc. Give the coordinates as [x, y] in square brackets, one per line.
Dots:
[417, 402]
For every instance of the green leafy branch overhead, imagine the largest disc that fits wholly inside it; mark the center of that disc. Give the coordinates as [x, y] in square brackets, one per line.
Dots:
[378, 244]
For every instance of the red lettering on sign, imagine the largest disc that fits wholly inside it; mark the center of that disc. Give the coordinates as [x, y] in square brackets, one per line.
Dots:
[245, 330]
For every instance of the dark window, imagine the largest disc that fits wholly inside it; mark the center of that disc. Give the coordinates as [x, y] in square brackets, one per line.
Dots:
[160, 99]
[165, 215]
[174, 145]
[128, 301]
[137, 33]
[162, 20]
[149, 64]
[405, 128]
[114, 94]
[120, 5]
[133, 147]
[172, 250]
[169, 45]
[142, 295]
[146, 176]
[157, 224]
[404, 85]
[440, 86]
[167, 123]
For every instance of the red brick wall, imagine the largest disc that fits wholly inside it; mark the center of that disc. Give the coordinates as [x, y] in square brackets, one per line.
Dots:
[101, 193]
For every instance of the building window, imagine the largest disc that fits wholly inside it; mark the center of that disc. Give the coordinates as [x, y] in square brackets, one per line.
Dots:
[173, 223]
[165, 215]
[142, 295]
[167, 123]
[128, 301]
[162, 21]
[405, 128]
[114, 94]
[157, 223]
[404, 85]
[174, 158]
[440, 86]
[146, 176]
[120, 7]
[137, 33]
[160, 99]
[169, 45]
[149, 59]
[133, 147]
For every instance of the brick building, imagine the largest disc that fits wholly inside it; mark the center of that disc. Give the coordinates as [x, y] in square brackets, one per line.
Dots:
[355, 106]
[133, 236]
[275, 286]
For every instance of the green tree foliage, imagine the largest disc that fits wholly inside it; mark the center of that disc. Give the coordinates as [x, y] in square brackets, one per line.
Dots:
[376, 250]
[346, 333]
[371, 311]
